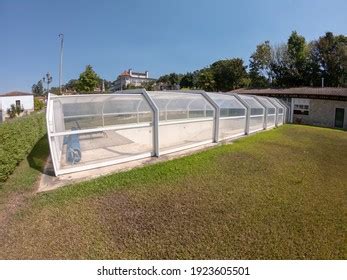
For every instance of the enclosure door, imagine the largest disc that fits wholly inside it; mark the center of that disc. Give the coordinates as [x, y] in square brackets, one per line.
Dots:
[339, 116]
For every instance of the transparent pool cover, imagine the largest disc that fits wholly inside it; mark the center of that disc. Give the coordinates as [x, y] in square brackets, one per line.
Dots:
[94, 130]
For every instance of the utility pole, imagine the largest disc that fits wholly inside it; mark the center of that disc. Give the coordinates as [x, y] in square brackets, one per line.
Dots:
[48, 80]
[61, 36]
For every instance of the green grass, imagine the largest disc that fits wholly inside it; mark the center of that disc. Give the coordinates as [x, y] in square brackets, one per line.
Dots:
[280, 194]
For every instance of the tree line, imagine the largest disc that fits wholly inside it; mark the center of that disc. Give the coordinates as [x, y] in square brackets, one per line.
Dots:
[88, 81]
[292, 64]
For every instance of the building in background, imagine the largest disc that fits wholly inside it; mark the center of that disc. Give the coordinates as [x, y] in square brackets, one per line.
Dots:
[20, 99]
[324, 106]
[131, 78]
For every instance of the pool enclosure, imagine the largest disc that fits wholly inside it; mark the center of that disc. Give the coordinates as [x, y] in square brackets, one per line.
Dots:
[270, 111]
[256, 113]
[94, 130]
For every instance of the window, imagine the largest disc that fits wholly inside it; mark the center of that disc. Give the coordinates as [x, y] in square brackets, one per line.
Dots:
[301, 109]
[301, 106]
[17, 103]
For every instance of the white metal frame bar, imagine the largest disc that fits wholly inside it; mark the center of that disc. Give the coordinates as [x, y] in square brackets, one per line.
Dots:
[102, 129]
[171, 122]
[50, 127]
[130, 93]
[248, 111]
[216, 116]
[265, 108]
[155, 121]
[233, 117]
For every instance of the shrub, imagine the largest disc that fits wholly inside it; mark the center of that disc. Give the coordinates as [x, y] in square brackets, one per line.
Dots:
[14, 111]
[38, 104]
[18, 137]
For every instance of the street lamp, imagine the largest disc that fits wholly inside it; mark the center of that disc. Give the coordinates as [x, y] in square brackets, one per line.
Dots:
[47, 79]
[61, 36]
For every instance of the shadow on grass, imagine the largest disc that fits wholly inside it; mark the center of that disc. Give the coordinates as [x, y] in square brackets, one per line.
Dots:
[38, 156]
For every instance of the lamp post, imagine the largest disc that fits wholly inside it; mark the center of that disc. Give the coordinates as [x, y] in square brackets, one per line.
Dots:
[61, 36]
[47, 79]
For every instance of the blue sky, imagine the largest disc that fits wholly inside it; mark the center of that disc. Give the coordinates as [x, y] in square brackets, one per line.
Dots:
[158, 36]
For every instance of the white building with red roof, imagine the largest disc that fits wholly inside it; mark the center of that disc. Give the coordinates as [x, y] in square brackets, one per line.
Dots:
[130, 77]
[21, 99]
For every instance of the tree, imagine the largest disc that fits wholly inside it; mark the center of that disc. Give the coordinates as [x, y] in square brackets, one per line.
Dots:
[344, 66]
[299, 63]
[54, 90]
[205, 80]
[228, 74]
[131, 86]
[37, 89]
[170, 81]
[298, 59]
[329, 51]
[292, 64]
[88, 80]
[280, 66]
[312, 74]
[148, 85]
[187, 81]
[71, 85]
[174, 79]
[260, 73]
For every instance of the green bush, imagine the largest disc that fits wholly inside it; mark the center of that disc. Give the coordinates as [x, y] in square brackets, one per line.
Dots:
[14, 111]
[38, 104]
[17, 138]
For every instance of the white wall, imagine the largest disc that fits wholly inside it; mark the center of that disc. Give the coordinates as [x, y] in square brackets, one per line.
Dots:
[27, 101]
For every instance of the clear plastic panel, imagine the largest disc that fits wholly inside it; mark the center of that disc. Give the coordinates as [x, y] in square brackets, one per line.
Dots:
[179, 135]
[86, 112]
[271, 109]
[280, 109]
[97, 129]
[228, 104]
[271, 120]
[256, 123]
[176, 110]
[256, 107]
[180, 106]
[277, 104]
[280, 119]
[99, 147]
[231, 127]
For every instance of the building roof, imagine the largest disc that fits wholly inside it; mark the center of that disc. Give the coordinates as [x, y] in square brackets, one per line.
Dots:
[299, 92]
[16, 93]
[124, 74]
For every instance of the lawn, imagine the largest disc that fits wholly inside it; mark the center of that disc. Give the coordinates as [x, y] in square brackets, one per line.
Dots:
[279, 194]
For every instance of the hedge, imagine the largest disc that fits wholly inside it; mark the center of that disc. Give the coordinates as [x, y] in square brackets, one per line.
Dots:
[17, 138]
